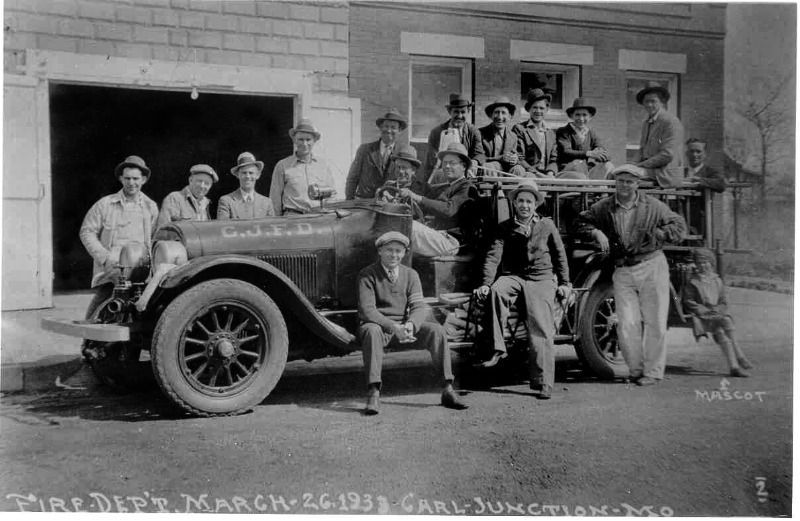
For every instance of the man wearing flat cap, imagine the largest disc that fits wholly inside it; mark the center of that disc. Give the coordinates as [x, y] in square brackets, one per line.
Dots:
[499, 142]
[442, 205]
[661, 142]
[632, 227]
[294, 174]
[579, 146]
[124, 218]
[191, 203]
[392, 310]
[529, 256]
[536, 144]
[245, 202]
[372, 166]
[454, 130]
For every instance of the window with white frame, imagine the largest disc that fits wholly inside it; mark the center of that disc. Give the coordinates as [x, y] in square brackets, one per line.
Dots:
[635, 82]
[562, 82]
[431, 81]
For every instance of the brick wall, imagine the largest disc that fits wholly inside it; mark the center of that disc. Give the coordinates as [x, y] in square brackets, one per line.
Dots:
[379, 71]
[297, 35]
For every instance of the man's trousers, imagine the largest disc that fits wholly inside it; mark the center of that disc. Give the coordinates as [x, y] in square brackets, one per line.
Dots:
[430, 336]
[641, 295]
[539, 298]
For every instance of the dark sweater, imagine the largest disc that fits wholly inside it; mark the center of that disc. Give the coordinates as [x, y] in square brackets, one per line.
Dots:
[387, 304]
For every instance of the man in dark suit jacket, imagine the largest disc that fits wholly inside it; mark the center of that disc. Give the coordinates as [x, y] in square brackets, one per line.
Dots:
[372, 166]
[661, 142]
[392, 310]
[499, 142]
[705, 176]
[245, 202]
[458, 130]
[442, 206]
[579, 146]
[536, 144]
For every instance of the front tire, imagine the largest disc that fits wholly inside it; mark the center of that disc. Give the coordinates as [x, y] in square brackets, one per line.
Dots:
[220, 348]
[598, 348]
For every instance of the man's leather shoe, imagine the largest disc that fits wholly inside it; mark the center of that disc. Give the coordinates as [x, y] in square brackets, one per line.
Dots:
[745, 363]
[741, 373]
[546, 392]
[451, 401]
[373, 402]
[496, 357]
[645, 381]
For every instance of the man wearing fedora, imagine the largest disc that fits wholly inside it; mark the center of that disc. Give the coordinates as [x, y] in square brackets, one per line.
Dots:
[245, 202]
[191, 203]
[632, 228]
[120, 219]
[294, 174]
[392, 310]
[442, 206]
[454, 130]
[499, 142]
[536, 144]
[578, 145]
[372, 166]
[661, 142]
[529, 256]
[404, 165]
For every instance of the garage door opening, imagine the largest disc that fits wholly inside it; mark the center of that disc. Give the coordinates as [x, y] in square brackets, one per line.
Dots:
[93, 129]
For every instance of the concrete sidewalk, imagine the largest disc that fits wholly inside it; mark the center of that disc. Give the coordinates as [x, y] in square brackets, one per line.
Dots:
[31, 359]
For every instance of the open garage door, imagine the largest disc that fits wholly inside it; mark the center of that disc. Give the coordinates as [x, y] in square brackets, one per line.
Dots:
[27, 261]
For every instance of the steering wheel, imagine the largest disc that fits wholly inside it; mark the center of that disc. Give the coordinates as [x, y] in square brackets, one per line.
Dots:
[394, 192]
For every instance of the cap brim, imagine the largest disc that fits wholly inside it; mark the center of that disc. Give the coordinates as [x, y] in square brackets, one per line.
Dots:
[416, 162]
[403, 124]
[316, 135]
[490, 109]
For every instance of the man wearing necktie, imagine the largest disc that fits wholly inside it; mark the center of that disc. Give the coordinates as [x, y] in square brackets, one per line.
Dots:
[372, 166]
[455, 130]
[529, 256]
[499, 142]
[661, 143]
[392, 310]
[245, 202]
[536, 144]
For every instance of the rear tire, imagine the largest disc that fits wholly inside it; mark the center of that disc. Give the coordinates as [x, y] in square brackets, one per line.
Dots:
[220, 348]
[598, 348]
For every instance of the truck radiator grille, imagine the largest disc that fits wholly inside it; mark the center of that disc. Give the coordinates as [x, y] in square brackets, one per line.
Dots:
[300, 268]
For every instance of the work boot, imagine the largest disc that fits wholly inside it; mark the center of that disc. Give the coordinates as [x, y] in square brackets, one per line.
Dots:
[739, 372]
[450, 399]
[373, 401]
[546, 392]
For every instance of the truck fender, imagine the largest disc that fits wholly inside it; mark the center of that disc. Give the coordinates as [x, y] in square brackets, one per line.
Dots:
[266, 277]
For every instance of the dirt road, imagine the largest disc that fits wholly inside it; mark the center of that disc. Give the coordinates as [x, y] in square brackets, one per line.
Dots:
[698, 444]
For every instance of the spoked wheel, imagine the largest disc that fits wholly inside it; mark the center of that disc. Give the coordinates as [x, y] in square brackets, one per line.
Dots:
[599, 349]
[220, 348]
[115, 364]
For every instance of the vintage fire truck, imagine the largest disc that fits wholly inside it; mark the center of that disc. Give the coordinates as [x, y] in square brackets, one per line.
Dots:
[225, 304]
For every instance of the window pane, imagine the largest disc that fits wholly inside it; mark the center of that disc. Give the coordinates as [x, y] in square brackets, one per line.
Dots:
[550, 82]
[431, 86]
[636, 112]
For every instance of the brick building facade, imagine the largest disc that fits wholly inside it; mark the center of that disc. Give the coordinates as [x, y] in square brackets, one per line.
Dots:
[603, 52]
[88, 82]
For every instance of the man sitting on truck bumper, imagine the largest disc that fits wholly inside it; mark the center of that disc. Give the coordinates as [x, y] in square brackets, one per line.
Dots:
[391, 309]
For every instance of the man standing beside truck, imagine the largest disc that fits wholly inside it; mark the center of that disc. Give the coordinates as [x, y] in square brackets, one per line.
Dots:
[632, 228]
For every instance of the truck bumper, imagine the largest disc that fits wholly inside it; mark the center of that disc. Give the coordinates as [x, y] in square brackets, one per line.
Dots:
[87, 330]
